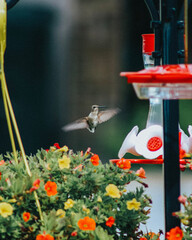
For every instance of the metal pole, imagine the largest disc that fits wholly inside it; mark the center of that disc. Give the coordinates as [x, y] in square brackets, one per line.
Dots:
[11, 3]
[171, 169]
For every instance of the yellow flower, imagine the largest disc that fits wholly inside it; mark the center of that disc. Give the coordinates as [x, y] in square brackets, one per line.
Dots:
[133, 204]
[185, 221]
[13, 200]
[5, 209]
[99, 199]
[1, 198]
[63, 149]
[52, 149]
[113, 191]
[60, 213]
[69, 204]
[87, 210]
[64, 162]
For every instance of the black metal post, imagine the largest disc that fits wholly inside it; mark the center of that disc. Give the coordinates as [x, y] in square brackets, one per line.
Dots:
[168, 10]
[11, 3]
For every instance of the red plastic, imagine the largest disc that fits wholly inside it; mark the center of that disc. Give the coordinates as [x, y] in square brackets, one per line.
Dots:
[147, 161]
[154, 144]
[148, 43]
[181, 73]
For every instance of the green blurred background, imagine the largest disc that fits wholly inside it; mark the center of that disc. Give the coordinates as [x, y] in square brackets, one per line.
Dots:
[63, 56]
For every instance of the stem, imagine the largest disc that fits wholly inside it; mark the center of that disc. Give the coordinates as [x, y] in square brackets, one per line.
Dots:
[19, 140]
[2, 78]
[9, 123]
[15, 124]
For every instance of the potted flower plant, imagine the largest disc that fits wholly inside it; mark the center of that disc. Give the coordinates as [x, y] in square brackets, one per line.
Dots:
[80, 198]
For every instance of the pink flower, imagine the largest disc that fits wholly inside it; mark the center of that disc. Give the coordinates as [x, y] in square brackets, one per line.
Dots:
[182, 167]
[141, 173]
[182, 199]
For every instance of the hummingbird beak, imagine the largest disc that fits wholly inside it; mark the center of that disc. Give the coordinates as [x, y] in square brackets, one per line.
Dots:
[101, 106]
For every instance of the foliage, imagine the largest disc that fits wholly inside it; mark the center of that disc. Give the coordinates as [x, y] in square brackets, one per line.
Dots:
[80, 198]
[185, 215]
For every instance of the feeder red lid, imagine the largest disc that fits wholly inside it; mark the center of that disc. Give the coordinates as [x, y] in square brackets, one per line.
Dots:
[181, 73]
[148, 43]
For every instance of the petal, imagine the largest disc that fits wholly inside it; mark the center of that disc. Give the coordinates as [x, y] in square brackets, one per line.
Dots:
[190, 139]
[142, 140]
[128, 144]
[184, 141]
[190, 130]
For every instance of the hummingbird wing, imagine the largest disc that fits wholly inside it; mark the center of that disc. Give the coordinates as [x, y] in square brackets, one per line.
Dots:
[107, 114]
[78, 124]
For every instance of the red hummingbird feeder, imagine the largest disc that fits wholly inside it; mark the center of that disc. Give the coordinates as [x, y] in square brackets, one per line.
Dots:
[164, 82]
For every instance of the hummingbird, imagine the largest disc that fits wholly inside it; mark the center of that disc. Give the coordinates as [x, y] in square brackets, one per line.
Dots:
[94, 118]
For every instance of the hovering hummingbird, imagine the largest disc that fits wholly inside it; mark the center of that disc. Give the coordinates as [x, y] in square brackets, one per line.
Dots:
[94, 118]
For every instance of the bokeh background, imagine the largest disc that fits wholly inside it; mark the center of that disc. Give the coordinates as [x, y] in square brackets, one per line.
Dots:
[64, 56]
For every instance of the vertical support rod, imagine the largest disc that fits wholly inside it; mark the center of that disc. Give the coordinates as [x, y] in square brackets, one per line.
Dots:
[171, 169]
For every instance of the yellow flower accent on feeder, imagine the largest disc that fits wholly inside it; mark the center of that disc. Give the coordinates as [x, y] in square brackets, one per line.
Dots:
[64, 162]
[69, 204]
[61, 213]
[6, 209]
[99, 199]
[113, 191]
[133, 204]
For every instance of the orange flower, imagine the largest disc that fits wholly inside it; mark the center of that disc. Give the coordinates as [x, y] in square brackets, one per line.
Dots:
[175, 234]
[110, 221]
[95, 160]
[151, 234]
[74, 234]
[36, 184]
[51, 188]
[87, 223]
[2, 162]
[141, 173]
[26, 216]
[123, 163]
[44, 236]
